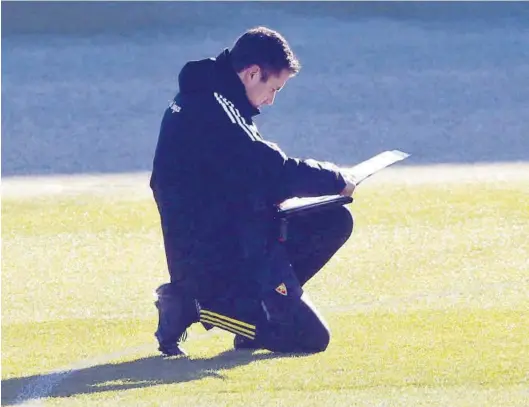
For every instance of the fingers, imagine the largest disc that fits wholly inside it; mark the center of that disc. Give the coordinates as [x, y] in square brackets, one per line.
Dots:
[350, 183]
[348, 190]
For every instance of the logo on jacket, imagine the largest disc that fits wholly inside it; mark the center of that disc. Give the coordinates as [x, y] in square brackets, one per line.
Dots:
[174, 107]
[282, 289]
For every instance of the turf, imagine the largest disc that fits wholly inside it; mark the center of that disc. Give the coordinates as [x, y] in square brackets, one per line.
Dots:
[428, 303]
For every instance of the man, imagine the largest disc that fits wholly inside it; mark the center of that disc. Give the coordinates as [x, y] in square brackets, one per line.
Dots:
[217, 184]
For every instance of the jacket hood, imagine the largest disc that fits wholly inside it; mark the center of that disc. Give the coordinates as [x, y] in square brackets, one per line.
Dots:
[215, 75]
[197, 76]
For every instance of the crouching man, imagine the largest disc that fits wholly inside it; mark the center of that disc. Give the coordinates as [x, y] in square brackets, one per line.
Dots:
[217, 184]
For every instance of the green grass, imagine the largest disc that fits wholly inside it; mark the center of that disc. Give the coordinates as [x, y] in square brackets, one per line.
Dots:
[428, 303]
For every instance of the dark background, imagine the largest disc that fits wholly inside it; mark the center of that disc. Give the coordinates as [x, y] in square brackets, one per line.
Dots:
[84, 84]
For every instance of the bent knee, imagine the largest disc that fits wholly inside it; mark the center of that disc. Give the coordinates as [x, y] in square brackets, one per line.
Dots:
[344, 223]
[317, 341]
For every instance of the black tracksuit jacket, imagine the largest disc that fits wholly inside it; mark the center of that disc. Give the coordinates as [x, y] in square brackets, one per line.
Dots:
[217, 182]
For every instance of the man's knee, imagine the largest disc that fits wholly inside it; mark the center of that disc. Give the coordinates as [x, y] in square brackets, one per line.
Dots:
[343, 224]
[317, 340]
[314, 333]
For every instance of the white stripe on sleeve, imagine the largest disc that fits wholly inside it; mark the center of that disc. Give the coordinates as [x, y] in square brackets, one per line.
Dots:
[235, 116]
[230, 115]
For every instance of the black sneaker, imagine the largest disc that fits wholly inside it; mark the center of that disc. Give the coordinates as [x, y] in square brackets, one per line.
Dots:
[171, 348]
[176, 313]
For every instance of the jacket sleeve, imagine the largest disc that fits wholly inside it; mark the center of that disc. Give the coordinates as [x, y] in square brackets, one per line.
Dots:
[290, 177]
[268, 166]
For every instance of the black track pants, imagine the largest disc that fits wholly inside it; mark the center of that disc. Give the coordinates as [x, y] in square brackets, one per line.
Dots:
[285, 320]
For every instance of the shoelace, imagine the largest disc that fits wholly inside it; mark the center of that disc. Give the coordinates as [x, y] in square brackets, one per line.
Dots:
[183, 337]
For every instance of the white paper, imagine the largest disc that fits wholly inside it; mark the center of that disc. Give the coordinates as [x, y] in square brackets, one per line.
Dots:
[380, 161]
[360, 172]
[298, 202]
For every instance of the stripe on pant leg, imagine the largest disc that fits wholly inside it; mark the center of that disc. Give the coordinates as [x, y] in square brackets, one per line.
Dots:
[228, 323]
[218, 321]
[209, 319]
[228, 319]
[228, 327]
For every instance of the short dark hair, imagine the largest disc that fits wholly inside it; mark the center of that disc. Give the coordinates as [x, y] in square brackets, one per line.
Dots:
[265, 48]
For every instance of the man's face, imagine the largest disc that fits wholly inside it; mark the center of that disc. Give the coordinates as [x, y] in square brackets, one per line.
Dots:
[263, 93]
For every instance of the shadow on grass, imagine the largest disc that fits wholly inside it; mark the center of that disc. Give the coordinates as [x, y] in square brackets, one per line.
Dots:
[140, 373]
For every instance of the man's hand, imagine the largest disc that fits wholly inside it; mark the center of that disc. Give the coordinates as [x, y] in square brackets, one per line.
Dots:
[350, 183]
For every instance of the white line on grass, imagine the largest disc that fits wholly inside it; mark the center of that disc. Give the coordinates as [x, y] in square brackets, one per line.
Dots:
[137, 184]
[42, 386]
[31, 395]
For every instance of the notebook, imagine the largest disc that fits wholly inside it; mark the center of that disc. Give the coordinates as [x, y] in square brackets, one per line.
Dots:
[360, 172]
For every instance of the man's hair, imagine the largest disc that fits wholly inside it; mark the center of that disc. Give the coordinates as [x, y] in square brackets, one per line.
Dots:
[265, 48]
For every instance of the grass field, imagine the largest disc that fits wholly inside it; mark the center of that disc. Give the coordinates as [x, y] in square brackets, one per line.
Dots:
[428, 303]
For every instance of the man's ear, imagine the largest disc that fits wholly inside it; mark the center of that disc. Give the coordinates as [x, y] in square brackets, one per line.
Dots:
[250, 75]
[254, 73]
